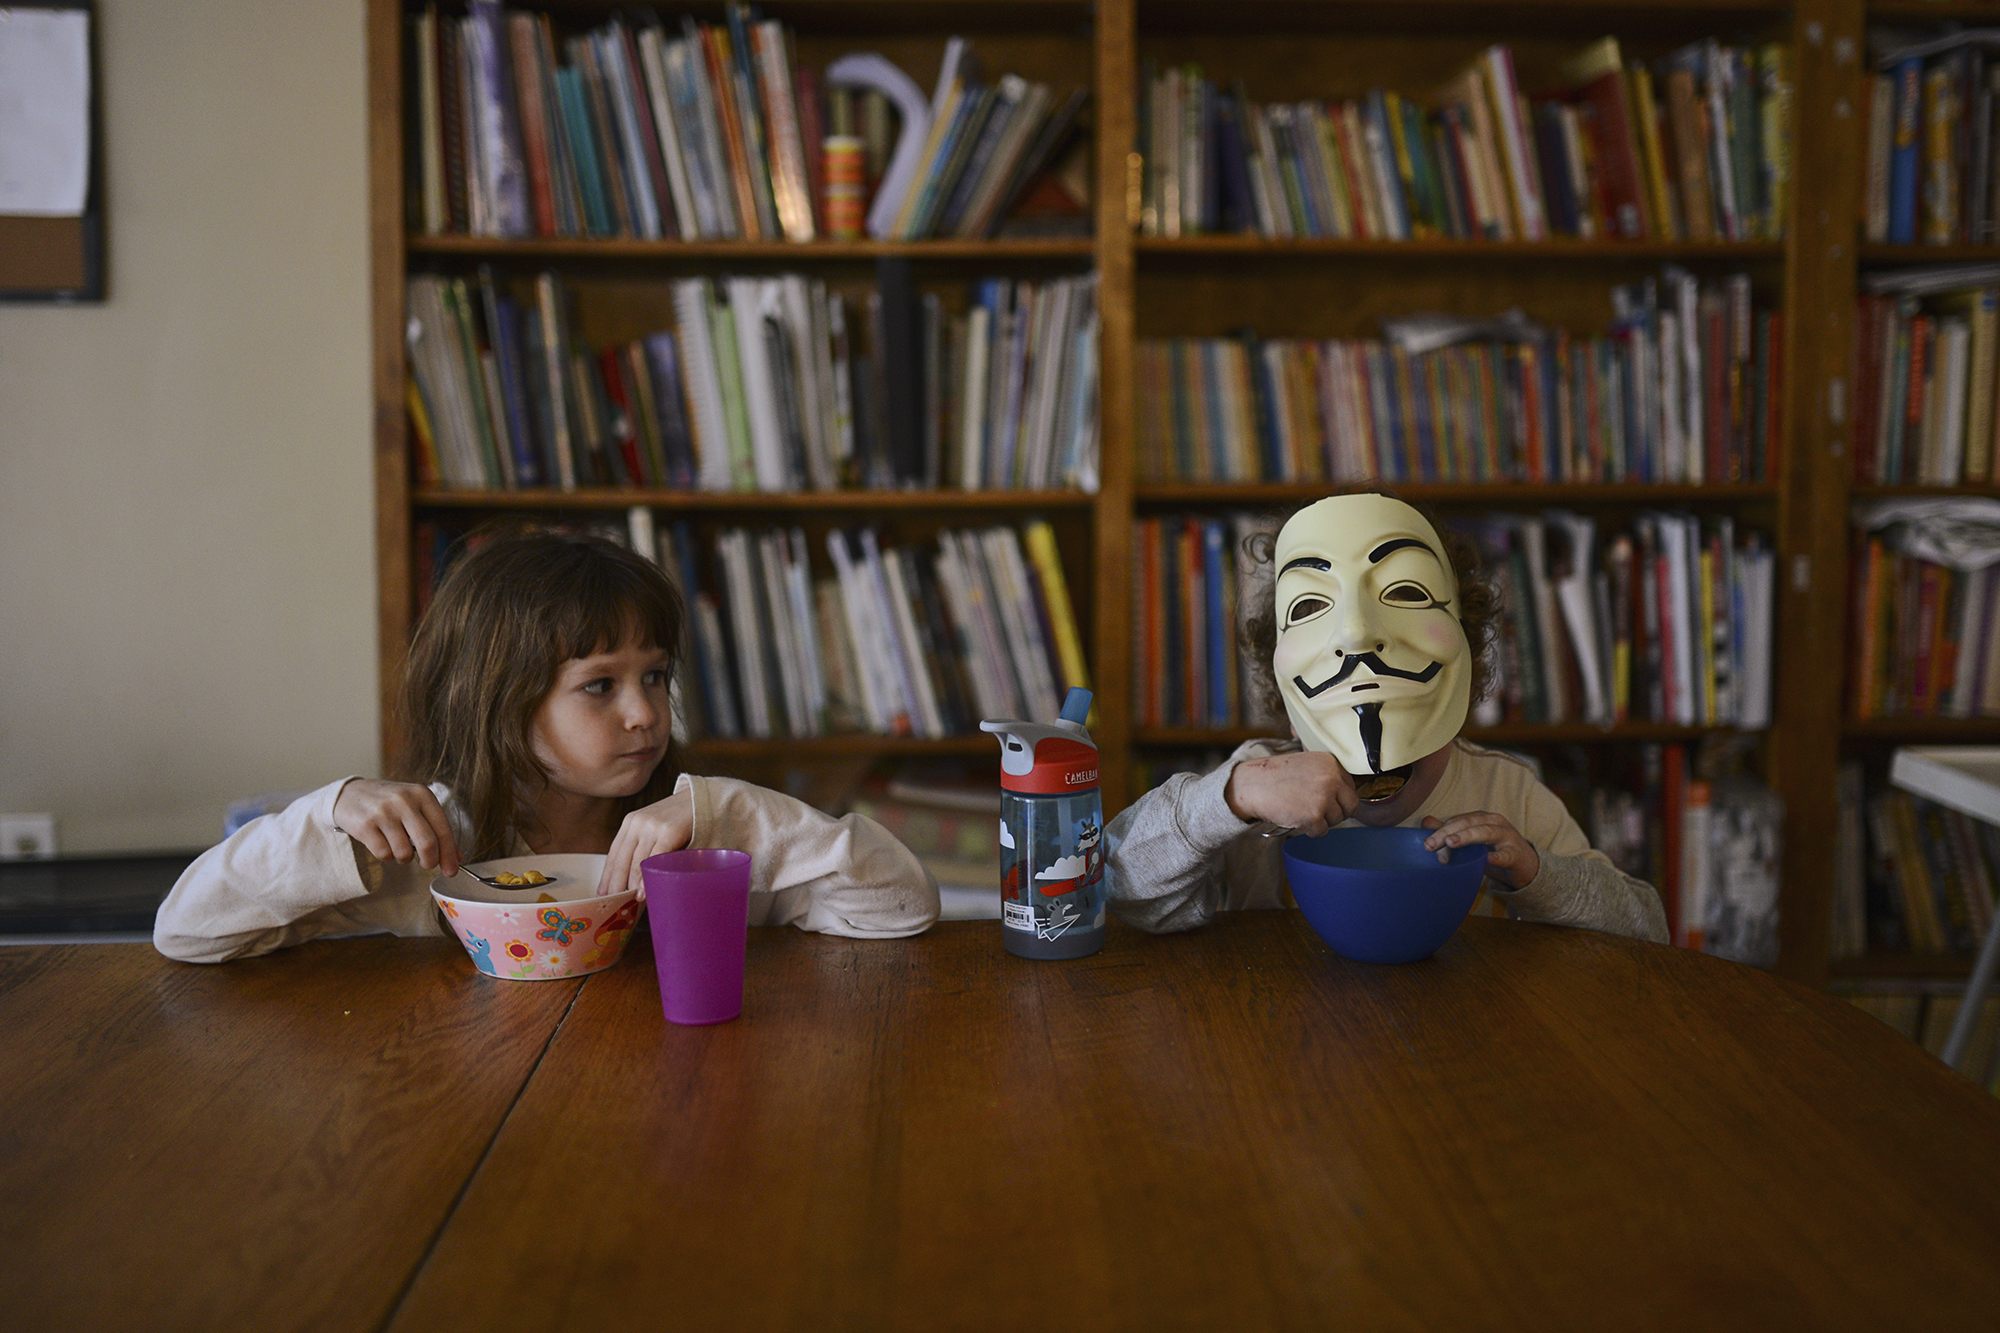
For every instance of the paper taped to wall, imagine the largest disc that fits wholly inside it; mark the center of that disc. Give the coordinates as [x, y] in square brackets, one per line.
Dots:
[44, 111]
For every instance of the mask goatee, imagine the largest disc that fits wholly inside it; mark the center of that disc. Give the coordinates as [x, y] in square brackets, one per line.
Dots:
[1371, 733]
[1375, 785]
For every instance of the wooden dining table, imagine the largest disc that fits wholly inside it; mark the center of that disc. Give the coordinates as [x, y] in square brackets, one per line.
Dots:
[1231, 1128]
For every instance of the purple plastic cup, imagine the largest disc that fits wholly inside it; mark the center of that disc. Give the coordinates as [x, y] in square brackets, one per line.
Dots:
[699, 904]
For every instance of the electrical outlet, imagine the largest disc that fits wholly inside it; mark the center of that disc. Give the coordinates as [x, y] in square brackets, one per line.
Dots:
[27, 837]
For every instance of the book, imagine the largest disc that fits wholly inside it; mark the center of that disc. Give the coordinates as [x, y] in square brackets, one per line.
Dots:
[1905, 149]
[1598, 76]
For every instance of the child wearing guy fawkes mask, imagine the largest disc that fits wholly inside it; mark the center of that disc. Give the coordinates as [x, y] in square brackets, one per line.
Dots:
[1376, 675]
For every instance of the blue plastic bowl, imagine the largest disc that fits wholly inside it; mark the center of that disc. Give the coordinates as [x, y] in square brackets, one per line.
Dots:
[1376, 896]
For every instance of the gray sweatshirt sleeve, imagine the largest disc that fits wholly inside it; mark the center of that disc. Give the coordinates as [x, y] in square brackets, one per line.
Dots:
[1165, 852]
[1584, 889]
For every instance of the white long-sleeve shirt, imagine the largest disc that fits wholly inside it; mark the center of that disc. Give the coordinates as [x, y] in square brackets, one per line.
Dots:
[292, 876]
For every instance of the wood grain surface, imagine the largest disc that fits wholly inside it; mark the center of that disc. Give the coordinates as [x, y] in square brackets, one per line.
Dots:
[1231, 1128]
[269, 1144]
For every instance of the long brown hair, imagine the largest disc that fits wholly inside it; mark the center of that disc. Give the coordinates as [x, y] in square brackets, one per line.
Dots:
[509, 612]
[1478, 607]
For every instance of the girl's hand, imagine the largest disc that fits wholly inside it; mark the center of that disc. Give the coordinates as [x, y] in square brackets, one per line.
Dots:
[664, 826]
[397, 821]
[1510, 858]
[1308, 791]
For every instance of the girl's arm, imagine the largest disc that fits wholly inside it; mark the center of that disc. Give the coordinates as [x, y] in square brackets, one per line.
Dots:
[1165, 852]
[846, 876]
[286, 878]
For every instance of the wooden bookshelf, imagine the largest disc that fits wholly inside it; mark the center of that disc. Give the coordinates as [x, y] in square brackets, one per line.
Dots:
[486, 247]
[1206, 286]
[1837, 490]
[1493, 494]
[1902, 967]
[1922, 11]
[754, 501]
[1899, 255]
[1559, 249]
[845, 746]
[1514, 733]
[1924, 730]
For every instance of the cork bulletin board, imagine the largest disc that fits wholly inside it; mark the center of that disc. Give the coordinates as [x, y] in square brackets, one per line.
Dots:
[51, 159]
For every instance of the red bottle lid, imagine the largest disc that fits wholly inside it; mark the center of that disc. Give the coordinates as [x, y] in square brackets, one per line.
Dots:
[1061, 766]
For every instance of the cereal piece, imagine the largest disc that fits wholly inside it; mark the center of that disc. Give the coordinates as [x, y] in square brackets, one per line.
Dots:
[534, 877]
[546, 898]
[509, 878]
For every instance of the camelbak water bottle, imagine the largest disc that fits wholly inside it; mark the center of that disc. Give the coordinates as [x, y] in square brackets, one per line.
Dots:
[1052, 886]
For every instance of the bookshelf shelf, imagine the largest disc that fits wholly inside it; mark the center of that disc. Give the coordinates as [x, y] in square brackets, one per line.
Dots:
[1907, 10]
[1901, 967]
[842, 746]
[1499, 494]
[1195, 738]
[1560, 249]
[1964, 730]
[790, 502]
[1931, 254]
[1430, 17]
[1874, 491]
[486, 247]
[1582, 733]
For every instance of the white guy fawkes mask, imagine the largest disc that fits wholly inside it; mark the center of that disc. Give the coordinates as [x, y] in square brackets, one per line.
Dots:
[1371, 658]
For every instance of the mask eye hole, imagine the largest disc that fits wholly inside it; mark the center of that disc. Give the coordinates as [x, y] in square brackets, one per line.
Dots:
[1409, 595]
[1305, 609]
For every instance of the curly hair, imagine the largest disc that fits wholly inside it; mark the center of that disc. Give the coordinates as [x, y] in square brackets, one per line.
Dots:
[1478, 606]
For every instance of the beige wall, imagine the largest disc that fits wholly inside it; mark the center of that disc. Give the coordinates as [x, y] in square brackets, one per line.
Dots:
[186, 595]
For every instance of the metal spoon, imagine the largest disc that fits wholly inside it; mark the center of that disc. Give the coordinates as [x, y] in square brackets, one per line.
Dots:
[494, 883]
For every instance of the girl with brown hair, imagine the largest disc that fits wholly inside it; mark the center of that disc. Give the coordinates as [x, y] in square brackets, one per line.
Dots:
[536, 698]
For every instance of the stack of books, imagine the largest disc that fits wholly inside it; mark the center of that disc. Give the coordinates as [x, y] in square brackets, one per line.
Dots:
[1713, 846]
[1930, 139]
[1697, 148]
[1920, 877]
[1926, 358]
[1926, 636]
[1194, 581]
[895, 640]
[772, 383]
[1688, 386]
[1670, 622]
[704, 131]
[986, 140]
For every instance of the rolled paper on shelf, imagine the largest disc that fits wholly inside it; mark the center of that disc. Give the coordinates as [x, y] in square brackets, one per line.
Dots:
[869, 70]
[845, 187]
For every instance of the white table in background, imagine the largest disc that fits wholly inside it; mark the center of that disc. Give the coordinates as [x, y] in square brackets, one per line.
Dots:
[1967, 779]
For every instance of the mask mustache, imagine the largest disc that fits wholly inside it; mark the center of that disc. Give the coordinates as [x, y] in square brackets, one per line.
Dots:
[1375, 664]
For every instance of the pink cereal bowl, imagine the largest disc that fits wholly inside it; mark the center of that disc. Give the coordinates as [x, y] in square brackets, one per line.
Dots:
[508, 934]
